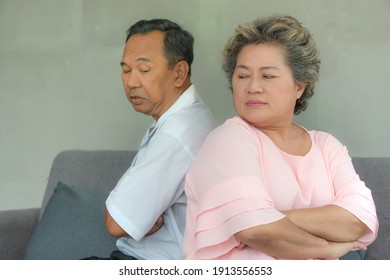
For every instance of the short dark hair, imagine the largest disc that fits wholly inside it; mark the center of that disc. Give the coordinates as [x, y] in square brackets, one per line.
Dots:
[178, 43]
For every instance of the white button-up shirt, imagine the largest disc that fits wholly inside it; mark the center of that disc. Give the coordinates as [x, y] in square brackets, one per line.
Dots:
[154, 184]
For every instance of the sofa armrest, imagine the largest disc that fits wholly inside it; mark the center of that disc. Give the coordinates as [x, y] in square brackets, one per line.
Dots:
[16, 227]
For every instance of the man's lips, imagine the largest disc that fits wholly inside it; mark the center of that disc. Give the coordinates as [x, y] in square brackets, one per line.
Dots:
[136, 100]
[255, 103]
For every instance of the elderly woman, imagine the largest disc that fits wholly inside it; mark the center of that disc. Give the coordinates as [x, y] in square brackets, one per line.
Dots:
[263, 187]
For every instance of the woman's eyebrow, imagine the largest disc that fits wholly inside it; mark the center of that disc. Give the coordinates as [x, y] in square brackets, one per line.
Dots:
[260, 68]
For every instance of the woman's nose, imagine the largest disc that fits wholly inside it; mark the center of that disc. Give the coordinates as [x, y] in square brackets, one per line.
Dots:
[255, 86]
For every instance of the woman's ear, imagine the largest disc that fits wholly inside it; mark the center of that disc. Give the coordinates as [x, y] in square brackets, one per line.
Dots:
[181, 71]
[300, 89]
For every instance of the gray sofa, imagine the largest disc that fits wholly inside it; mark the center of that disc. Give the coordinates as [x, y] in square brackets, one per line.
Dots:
[82, 180]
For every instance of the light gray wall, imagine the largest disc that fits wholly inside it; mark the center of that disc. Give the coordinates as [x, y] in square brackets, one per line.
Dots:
[60, 82]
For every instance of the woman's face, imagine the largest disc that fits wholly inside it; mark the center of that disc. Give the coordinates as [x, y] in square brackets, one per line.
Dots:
[264, 91]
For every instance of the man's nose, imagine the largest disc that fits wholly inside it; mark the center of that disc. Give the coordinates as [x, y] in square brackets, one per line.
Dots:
[132, 80]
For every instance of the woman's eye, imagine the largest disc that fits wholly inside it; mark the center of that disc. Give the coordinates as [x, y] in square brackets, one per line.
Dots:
[242, 76]
[268, 76]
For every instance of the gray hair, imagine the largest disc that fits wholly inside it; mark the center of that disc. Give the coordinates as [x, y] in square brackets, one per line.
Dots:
[301, 54]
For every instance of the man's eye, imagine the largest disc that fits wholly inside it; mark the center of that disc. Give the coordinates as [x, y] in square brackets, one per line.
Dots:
[242, 76]
[145, 70]
[125, 71]
[268, 76]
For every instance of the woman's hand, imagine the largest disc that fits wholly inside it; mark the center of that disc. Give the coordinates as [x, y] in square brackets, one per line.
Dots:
[336, 250]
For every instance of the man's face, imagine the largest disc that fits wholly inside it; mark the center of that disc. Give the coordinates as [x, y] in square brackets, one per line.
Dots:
[147, 81]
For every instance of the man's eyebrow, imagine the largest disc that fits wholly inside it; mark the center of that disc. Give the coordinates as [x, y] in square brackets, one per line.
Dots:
[142, 59]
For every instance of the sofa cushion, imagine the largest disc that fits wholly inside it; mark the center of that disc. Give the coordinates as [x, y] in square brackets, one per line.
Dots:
[375, 173]
[72, 226]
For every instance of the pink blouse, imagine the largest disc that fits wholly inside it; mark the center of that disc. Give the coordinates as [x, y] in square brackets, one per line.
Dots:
[240, 179]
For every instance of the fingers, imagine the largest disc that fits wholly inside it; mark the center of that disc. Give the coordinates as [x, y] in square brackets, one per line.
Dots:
[159, 222]
[157, 225]
[359, 246]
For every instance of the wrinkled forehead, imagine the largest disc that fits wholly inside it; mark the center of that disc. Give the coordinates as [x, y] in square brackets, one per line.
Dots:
[144, 47]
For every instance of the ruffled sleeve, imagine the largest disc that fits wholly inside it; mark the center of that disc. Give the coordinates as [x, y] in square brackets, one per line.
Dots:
[239, 204]
[351, 193]
[229, 194]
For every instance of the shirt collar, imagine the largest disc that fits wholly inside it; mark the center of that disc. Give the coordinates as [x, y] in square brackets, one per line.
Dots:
[188, 97]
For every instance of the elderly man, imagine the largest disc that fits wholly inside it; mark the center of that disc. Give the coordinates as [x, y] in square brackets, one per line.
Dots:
[147, 208]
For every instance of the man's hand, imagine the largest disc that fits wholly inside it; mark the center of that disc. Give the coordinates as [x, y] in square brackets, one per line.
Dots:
[156, 226]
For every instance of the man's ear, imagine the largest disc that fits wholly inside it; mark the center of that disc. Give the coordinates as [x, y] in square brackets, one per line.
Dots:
[181, 71]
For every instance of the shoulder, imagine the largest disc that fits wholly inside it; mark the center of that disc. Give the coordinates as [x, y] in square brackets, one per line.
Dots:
[188, 125]
[328, 144]
[233, 131]
[324, 138]
[196, 116]
[187, 128]
[232, 126]
[188, 110]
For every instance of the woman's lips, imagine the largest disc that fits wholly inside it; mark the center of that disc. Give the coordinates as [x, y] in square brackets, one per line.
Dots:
[255, 103]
